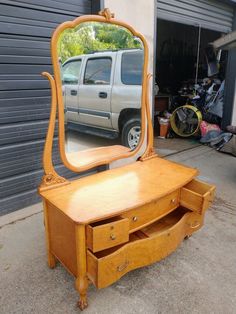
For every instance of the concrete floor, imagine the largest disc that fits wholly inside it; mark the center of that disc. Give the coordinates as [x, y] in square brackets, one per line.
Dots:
[76, 141]
[200, 277]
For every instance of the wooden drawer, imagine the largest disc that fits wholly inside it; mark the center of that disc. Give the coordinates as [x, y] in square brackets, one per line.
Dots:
[107, 233]
[154, 243]
[197, 196]
[147, 214]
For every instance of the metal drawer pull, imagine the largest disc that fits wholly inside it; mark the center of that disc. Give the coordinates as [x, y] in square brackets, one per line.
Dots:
[122, 266]
[113, 237]
[173, 200]
[135, 218]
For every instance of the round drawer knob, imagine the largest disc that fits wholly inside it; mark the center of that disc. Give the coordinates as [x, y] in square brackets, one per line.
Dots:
[173, 200]
[113, 237]
[135, 218]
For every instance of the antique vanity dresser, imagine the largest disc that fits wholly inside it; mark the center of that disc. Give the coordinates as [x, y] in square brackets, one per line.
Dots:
[103, 225]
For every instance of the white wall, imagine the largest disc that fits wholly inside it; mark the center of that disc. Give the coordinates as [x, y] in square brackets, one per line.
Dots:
[140, 14]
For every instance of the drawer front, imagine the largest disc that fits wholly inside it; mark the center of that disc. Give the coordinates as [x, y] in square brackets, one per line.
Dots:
[105, 269]
[106, 234]
[148, 213]
[197, 196]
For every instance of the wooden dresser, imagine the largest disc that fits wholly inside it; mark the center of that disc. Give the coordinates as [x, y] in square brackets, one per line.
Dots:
[102, 226]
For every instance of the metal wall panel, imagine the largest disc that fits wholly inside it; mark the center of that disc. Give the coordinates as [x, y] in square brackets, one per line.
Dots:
[210, 14]
[26, 27]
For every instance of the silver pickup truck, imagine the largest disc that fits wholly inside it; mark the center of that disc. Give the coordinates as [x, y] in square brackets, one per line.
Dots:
[102, 94]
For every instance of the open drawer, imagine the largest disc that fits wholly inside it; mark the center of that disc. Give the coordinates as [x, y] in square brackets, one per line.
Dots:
[107, 233]
[197, 196]
[146, 246]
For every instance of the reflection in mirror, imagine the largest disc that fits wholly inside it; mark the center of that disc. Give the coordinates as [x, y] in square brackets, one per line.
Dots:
[101, 68]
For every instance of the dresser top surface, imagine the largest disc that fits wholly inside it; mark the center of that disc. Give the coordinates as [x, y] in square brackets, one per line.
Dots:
[112, 192]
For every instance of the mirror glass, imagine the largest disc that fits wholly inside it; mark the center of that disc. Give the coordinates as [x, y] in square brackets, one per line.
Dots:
[101, 67]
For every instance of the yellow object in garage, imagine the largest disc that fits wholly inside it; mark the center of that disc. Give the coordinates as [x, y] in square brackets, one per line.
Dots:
[185, 120]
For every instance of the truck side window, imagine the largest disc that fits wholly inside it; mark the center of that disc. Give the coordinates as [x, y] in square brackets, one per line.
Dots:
[70, 72]
[132, 68]
[98, 71]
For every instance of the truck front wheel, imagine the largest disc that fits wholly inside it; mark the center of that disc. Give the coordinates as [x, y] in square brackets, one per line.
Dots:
[131, 133]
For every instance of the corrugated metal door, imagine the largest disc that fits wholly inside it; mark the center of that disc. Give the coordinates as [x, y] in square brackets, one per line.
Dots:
[210, 14]
[25, 30]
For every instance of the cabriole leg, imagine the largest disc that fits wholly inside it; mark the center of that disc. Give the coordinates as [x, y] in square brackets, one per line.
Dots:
[81, 280]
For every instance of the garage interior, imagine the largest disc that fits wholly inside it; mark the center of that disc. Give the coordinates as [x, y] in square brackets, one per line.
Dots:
[181, 62]
[185, 57]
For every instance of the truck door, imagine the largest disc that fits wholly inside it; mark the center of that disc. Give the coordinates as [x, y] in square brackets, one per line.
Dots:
[95, 92]
[70, 88]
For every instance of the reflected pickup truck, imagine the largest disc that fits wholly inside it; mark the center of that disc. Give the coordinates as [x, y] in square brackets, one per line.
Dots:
[102, 94]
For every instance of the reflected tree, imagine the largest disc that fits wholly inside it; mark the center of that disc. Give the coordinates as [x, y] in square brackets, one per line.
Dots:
[93, 36]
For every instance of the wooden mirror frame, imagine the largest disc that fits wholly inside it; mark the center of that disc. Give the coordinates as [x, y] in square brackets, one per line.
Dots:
[51, 176]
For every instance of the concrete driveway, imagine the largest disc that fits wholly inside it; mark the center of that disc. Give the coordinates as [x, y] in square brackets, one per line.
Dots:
[200, 277]
[76, 141]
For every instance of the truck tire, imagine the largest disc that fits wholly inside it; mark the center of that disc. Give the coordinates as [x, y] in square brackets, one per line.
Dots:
[131, 133]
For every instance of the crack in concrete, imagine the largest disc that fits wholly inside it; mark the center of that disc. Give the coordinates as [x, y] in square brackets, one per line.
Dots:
[20, 219]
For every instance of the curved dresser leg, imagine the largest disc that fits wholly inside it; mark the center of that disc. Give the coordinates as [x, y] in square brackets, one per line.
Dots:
[82, 288]
[81, 280]
[51, 257]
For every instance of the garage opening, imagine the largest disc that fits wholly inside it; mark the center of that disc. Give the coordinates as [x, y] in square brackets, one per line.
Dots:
[188, 72]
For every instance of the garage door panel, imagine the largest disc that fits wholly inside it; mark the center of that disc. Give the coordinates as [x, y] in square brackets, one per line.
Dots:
[21, 132]
[83, 6]
[24, 103]
[24, 93]
[31, 16]
[11, 152]
[198, 13]
[24, 69]
[26, 27]
[26, 84]
[24, 51]
[11, 28]
[211, 14]
[25, 59]
[10, 40]
[11, 203]
[23, 21]
[24, 115]
[28, 195]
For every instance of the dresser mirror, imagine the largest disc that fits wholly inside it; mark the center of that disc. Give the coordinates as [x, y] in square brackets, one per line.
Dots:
[100, 68]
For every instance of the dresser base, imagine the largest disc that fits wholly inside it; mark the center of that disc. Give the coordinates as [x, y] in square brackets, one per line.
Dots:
[145, 246]
[100, 237]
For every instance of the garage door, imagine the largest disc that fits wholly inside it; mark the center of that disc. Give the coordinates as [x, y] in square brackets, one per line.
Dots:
[25, 30]
[210, 14]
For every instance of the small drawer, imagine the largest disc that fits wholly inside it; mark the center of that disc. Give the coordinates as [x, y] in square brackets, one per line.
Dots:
[107, 233]
[197, 196]
[147, 214]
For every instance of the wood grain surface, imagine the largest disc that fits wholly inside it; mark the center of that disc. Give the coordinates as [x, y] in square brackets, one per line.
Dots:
[115, 191]
[92, 155]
